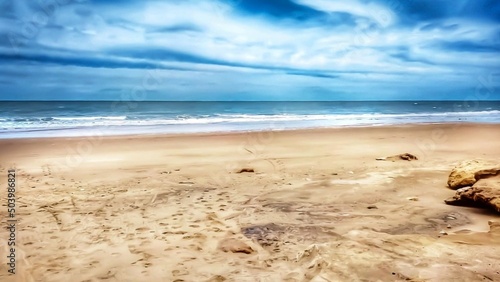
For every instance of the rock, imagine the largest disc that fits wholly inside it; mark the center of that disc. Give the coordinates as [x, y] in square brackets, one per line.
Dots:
[235, 246]
[415, 199]
[246, 169]
[404, 157]
[484, 193]
[372, 207]
[468, 172]
[407, 157]
[450, 217]
[443, 232]
[186, 182]
[457, 199]
[485, 173]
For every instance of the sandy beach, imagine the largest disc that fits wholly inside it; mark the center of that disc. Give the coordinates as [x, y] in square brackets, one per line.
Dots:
[314, 205]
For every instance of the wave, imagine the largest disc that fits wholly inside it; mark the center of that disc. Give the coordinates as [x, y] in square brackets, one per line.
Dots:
[91, 118]
[354, 116]
[68, 119]
[138, 120]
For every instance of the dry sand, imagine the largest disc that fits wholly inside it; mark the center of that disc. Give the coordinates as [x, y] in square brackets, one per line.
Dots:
[318, 207]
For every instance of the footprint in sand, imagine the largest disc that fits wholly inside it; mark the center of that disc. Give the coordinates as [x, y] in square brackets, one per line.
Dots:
[46, 170]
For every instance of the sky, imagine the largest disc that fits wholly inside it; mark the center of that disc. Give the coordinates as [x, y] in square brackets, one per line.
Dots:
[249, 50]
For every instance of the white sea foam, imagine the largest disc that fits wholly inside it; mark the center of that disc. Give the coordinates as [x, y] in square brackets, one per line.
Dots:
[241, 118]
[90, 118]
[227, 122]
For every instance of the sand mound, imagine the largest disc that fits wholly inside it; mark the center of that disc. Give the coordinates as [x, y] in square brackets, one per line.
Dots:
[362, 255]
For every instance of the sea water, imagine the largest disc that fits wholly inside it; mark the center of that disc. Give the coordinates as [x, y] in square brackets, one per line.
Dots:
[67, 119]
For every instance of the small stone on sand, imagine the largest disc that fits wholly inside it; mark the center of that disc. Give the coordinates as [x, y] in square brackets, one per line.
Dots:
[235, 246]
[246, 169]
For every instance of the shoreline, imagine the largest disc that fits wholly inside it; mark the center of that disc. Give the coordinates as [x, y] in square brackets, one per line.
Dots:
[257, 131]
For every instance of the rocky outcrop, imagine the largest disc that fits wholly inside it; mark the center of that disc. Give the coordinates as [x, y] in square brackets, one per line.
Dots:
[485, 173]
[469, 172]
[484, 193]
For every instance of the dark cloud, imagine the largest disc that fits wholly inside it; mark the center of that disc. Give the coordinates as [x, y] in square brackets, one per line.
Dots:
[277, 9]
[290, 11]
[313, 74]
[113, 2]
[469, 46]
[7, 10]
[181, 27]
[83, 61]
[439, 26]
[412, 12]
[162, 54]
[92, 61]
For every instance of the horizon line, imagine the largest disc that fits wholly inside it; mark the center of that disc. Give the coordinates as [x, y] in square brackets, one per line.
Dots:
[251, 101]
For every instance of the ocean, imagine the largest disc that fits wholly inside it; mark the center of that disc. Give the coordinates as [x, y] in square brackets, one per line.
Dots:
[69, 119]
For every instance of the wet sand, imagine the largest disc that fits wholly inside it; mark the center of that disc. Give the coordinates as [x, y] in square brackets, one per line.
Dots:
[318, 207]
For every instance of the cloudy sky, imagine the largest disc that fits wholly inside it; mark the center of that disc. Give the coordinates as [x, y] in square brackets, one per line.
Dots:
[249, 49]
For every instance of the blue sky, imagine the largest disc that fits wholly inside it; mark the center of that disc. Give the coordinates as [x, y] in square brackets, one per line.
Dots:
[249, 50]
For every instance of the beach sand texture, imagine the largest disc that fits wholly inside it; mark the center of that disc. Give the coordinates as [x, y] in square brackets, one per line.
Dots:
[318, 206]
